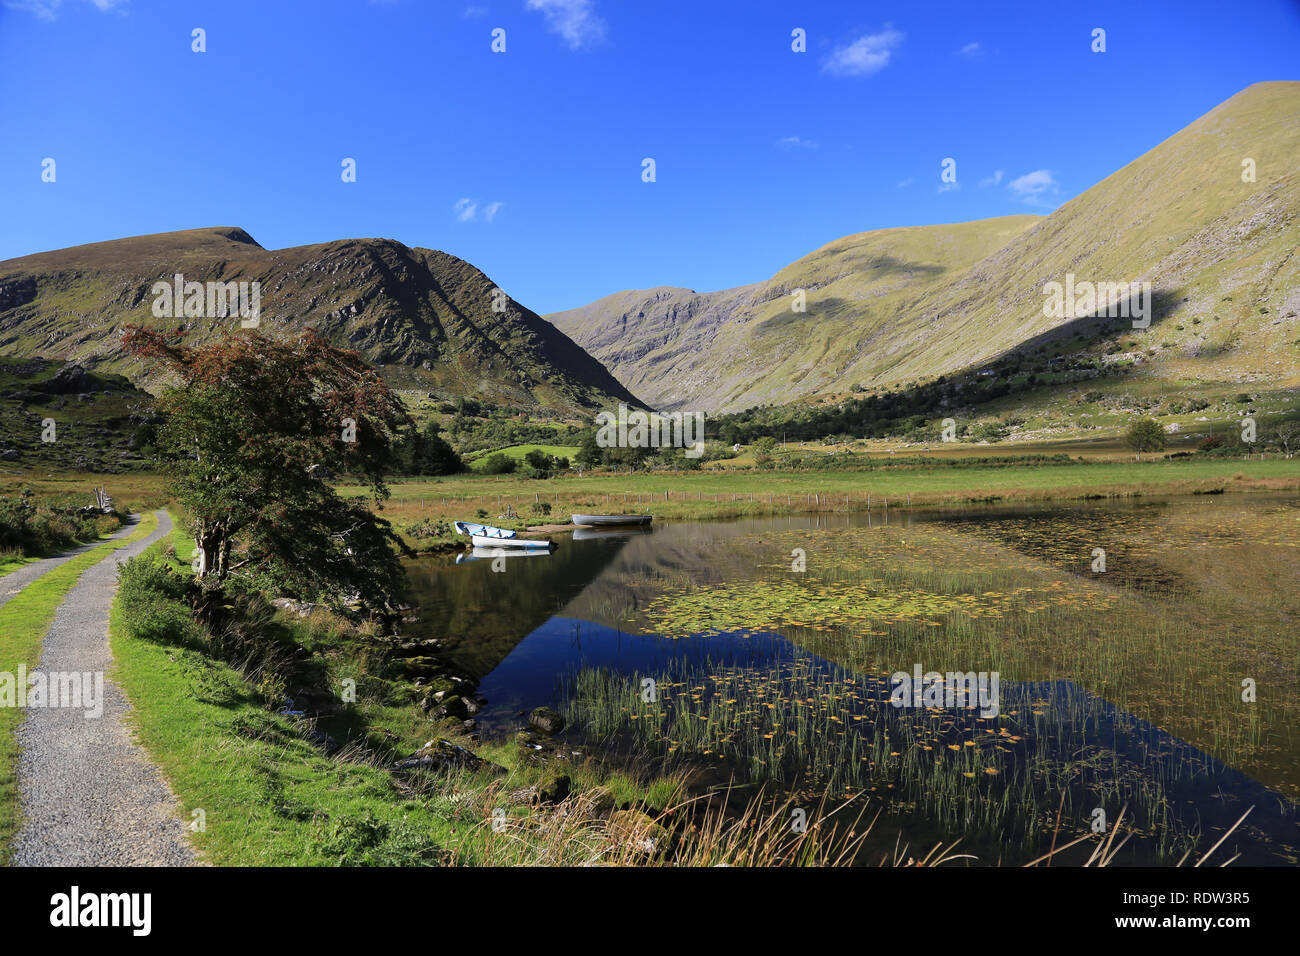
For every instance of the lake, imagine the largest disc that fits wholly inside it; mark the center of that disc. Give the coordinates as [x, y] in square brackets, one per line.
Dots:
[1147, 653]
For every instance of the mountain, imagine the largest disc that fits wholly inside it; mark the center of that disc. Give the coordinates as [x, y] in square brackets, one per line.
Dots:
[101, 422]
[424, 318]
[747, 346]
[900, 305]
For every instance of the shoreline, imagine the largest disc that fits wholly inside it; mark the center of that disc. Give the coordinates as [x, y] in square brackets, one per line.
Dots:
[844, 492]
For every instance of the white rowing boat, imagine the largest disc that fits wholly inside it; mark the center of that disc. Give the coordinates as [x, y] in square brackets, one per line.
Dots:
[486, 536]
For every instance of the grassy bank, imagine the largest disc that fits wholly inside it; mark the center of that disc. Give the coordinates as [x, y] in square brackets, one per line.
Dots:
[417, 505]
[23, 624]
[271, 793]
[12, 561]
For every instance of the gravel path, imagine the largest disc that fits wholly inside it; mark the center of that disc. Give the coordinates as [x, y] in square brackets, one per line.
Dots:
[90, 795]
[15, 581]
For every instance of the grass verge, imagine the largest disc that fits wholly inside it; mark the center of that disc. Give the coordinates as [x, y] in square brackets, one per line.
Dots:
[269, 792]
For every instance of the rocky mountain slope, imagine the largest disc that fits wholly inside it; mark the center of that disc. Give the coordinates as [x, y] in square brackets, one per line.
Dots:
[424, 317]
[902, 305]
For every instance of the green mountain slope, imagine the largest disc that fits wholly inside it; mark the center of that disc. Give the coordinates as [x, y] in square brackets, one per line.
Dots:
[425, 318]
[902, 305]
[747, 346]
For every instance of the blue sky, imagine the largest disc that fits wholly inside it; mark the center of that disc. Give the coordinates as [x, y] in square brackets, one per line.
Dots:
[528, 163]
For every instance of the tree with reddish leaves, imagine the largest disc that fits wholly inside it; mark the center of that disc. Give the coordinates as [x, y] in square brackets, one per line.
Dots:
[253, 429]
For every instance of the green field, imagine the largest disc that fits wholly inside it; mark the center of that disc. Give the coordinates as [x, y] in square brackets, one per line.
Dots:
[517, 452]
[672, 492]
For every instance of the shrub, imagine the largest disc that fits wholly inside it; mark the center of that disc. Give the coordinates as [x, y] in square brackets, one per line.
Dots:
[154, 604]
[39, 526]
[1145, 434]
[1210, 442]
[499, 464]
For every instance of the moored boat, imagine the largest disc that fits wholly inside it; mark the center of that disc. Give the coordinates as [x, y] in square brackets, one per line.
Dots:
[611, 521]
[486, 536]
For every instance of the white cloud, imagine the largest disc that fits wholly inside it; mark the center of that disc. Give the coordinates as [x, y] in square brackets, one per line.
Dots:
[903, 183]
[465, 209]
[972, 49]
[994, 179]
[796, 142]
[472, 11]
[574, 20]
[1033, 188]
[865, 55]
[47, 9]
[949, 187]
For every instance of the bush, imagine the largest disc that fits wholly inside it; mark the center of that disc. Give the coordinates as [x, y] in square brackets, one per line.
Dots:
[499, 464]
[40, 526]
[1145, 434]
[154, 602]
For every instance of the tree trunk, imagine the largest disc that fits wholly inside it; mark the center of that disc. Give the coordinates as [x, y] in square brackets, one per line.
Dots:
[213, 546]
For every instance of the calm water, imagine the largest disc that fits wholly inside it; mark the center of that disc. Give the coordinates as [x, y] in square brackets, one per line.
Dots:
[1120, 688]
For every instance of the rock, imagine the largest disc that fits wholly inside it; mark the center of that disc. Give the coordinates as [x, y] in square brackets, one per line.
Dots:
[294, 606]
[546, 720]
[553, 787]
[421, 667]
[9, 454]
[635, 829]
[534, 747]
[442, 755]
[70, 379]
[455, 707]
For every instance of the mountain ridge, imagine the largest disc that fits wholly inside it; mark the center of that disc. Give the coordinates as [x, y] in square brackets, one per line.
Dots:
[427, 319]
[883, 311]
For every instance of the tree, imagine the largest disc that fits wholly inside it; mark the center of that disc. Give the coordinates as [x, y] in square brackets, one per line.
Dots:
[539, 460]
[589, 453]
[426, 452]
[499, 464]
[251, 431]
[1145, 434]
[1286, 436]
